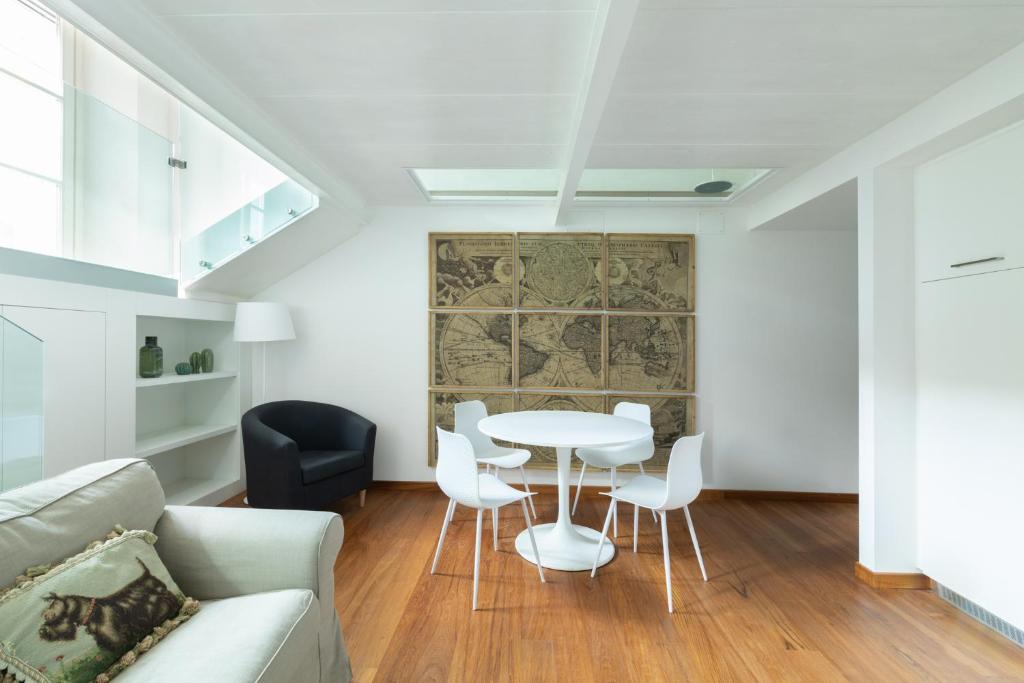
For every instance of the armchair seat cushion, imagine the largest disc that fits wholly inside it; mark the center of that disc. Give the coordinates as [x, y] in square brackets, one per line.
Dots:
[319, 465]
[260, 637]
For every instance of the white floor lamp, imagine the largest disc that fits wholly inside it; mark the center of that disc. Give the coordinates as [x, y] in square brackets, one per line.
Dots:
[262, 322]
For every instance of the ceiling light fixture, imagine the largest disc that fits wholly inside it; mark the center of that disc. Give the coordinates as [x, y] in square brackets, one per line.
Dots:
[713, 187]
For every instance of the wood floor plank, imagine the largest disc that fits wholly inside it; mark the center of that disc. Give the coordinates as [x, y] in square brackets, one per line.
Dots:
[782, 603]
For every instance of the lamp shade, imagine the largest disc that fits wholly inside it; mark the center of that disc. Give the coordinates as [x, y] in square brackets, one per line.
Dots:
[263, 321]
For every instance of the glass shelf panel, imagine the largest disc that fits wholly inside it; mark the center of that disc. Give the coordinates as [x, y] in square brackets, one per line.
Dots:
[21, 406]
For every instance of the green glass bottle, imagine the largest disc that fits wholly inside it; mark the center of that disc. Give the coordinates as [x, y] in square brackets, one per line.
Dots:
[151, 359]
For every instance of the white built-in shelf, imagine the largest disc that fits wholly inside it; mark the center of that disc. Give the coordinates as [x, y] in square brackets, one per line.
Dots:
[169, 439]
[188, 491]
[182, 379]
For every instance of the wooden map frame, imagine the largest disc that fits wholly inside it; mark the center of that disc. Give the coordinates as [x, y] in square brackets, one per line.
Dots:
[690, 361]
[691, 268]
[601, 274]
[519, 395]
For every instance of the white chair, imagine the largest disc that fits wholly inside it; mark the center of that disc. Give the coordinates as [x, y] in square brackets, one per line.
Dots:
[680, 488]
[612, 457]
[467, 416]
[461, 481]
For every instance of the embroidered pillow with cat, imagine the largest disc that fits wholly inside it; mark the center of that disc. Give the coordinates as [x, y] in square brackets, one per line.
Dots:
[87, 618]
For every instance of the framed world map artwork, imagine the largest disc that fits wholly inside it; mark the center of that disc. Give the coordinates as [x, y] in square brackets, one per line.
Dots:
[563, 321]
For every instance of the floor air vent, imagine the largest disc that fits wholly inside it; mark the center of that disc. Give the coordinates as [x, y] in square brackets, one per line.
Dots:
[981, 614]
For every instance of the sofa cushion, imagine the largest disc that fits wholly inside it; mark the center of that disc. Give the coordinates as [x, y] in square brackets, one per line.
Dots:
[53, 519]
[267, 637]
[93, 614]
[319, 465]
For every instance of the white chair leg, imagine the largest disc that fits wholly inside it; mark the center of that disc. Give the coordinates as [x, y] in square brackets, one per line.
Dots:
[579, 487]
[696, 546]
[444, 530]
[526, 486]
[600, 543]
[636, 525]
[494, 514]
[653, 513]
[533, 542]
[615, 507]
[476, 556]
[668, 569]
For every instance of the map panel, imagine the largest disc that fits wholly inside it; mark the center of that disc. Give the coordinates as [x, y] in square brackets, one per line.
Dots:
[650, 353]
[561, 270]
[543, 456]
[671, 417]
[651, 272]
[442, 413]
[560, 351]
[471, 270]
[471, 349]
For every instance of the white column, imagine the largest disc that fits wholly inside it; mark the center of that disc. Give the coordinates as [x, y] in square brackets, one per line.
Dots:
[886, 323]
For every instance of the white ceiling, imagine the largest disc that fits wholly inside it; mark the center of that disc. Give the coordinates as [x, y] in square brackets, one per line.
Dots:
[371, 87]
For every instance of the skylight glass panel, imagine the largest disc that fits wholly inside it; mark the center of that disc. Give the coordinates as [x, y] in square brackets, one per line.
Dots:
[597, 184]
[666, 183]
[487, 183]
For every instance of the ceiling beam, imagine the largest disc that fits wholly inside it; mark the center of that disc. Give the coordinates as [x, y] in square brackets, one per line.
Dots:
[612, 25]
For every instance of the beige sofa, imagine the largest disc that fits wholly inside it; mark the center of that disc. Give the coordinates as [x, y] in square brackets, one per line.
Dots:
[265, 577]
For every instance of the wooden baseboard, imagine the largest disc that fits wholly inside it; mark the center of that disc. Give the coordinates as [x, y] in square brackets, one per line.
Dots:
[705, 495]
[909, 580]
[792, 496]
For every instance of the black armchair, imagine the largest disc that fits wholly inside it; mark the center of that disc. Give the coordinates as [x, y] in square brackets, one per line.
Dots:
[302, 455]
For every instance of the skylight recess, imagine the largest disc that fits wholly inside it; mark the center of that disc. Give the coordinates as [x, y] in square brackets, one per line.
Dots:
[596, 185]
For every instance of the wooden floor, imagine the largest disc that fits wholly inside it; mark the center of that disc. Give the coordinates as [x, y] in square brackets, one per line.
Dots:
[782, 602]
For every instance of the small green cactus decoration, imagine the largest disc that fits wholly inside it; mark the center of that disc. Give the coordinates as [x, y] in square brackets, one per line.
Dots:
[207, 360]
[183, 368]
[196, 361]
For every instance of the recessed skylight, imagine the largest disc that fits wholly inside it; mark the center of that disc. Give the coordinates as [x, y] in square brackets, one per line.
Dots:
[597, 184]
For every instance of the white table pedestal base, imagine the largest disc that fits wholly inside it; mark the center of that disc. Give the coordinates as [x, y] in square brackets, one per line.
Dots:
[564, 545]
[569, 550]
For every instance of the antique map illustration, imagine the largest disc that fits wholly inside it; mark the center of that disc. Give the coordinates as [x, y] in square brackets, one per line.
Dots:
[560, 351]
[563, 321]
[651, 272]
[561, 270]
[471, 270]
[471, 349]
[650, 353]
[442, 412]
[544, 457]
[671, 417]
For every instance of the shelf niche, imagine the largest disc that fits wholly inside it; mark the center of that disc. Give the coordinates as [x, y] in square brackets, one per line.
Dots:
[187, 425]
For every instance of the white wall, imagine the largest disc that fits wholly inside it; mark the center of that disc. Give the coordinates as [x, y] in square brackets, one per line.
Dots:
[888, 523]
[776, 340]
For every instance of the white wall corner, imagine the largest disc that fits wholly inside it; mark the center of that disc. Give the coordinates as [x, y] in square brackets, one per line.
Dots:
[887, 382]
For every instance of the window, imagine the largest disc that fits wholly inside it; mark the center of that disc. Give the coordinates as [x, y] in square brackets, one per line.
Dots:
[30, 127]
[90, 160]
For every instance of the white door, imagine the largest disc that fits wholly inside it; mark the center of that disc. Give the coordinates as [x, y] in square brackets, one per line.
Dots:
[970, 457]
[74, 384]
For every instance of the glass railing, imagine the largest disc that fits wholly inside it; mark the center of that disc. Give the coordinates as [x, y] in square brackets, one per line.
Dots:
[21, 406]
[245, 227]
[121, 188]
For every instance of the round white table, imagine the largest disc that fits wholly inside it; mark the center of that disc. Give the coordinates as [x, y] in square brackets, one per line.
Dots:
[564, 545]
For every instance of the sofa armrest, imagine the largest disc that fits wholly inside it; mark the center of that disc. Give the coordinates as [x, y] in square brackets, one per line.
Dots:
[226, 552]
